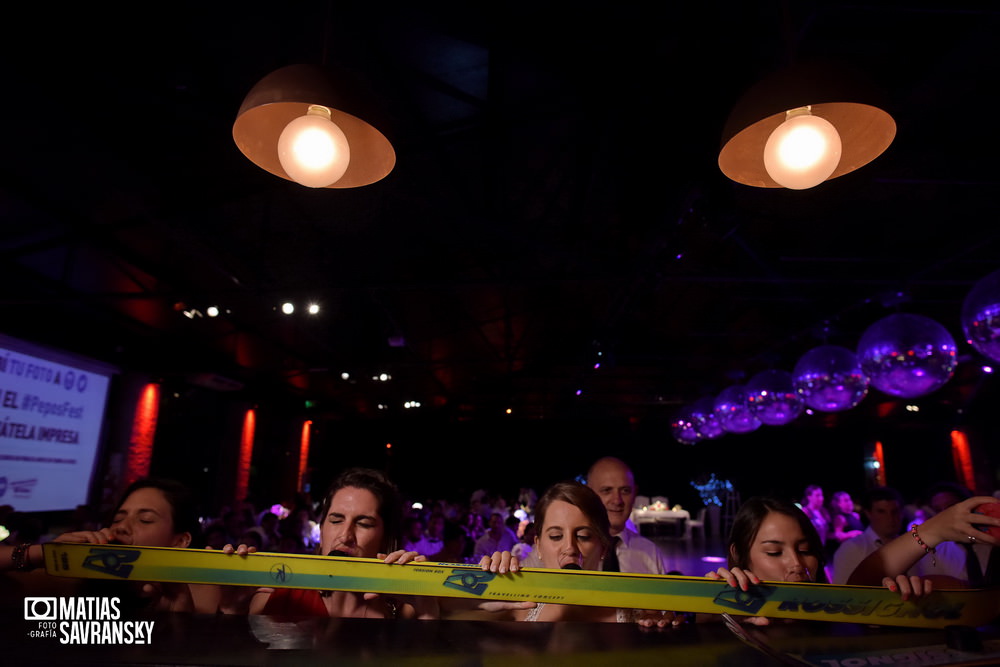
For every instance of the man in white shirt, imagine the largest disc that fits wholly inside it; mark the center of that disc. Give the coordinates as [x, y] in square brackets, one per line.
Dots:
[614, 482]
[883, 508]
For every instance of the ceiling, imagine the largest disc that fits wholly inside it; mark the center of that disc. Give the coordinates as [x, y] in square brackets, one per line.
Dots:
[556, 200]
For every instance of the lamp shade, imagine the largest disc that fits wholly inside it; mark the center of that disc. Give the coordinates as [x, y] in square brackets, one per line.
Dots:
[286, 95]
[833, 93]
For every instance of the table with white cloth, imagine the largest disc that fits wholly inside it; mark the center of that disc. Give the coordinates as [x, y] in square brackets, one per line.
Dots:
[661, 523]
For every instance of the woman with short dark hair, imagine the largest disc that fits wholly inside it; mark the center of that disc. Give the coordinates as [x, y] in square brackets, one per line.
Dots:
[361, 518]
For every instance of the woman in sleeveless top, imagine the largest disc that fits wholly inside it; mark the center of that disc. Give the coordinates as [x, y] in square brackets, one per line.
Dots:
[812, 505]
[573, 533]
[845, 522]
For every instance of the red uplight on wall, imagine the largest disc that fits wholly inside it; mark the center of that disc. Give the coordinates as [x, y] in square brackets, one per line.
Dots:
[303, 452]
[140, 444]
[246, 454]
[880, 476]
[962, 458]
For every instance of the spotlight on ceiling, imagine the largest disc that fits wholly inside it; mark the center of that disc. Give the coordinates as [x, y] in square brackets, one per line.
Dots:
[293, 124]
[803, 151]
[805, 125]
[312, 150]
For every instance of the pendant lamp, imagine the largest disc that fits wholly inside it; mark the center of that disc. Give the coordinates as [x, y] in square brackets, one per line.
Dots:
[803, 126]
[295, 123]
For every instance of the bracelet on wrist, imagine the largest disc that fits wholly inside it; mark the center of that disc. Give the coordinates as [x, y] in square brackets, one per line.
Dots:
[928, 550]
[20, 557]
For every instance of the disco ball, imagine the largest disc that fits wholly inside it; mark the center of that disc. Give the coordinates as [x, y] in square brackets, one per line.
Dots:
[705, 422]
[733, 412]
[907, 355]
[771, 395]
[981, 316]
[683, 427]
[829, 378]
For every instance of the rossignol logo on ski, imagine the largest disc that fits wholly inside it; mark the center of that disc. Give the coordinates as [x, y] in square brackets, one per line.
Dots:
[748, 601]
[111, 561]
[472, 582]
[877, 609]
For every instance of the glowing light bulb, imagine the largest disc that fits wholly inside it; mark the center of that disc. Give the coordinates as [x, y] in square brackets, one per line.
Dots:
[312, 150]
[803, 151]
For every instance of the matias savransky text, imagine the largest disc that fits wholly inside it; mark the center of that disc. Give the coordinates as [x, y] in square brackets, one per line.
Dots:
[84, 620]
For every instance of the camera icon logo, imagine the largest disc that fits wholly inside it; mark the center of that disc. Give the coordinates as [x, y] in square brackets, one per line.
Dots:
[40, 609]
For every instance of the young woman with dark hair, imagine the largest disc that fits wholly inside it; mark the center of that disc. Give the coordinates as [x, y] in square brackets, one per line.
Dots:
[776, 541]
[152, 512]
[361, 518]
[573, 532]
[773, 540]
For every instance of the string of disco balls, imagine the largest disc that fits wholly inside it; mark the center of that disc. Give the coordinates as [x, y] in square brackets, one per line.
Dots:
[903, 354]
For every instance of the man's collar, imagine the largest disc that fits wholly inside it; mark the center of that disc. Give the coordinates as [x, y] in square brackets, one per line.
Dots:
[625, 535]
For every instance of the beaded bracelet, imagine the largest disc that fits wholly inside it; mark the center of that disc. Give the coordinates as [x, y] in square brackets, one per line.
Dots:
[927, 549]
[19, 557]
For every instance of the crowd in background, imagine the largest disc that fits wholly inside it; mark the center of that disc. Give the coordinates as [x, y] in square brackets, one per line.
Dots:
[443, 530]
[451, 531]
[850, 530]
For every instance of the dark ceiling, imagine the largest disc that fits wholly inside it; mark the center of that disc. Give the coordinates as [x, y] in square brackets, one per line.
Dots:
[556, 199]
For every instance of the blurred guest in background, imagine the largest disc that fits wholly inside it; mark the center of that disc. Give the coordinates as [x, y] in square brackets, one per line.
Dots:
[498, 537]
[845, 522]
[814, 508]
[882, 508]
[958, 524]
[454, 545]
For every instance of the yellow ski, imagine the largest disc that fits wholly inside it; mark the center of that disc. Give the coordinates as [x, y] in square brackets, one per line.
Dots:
[825, 602]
